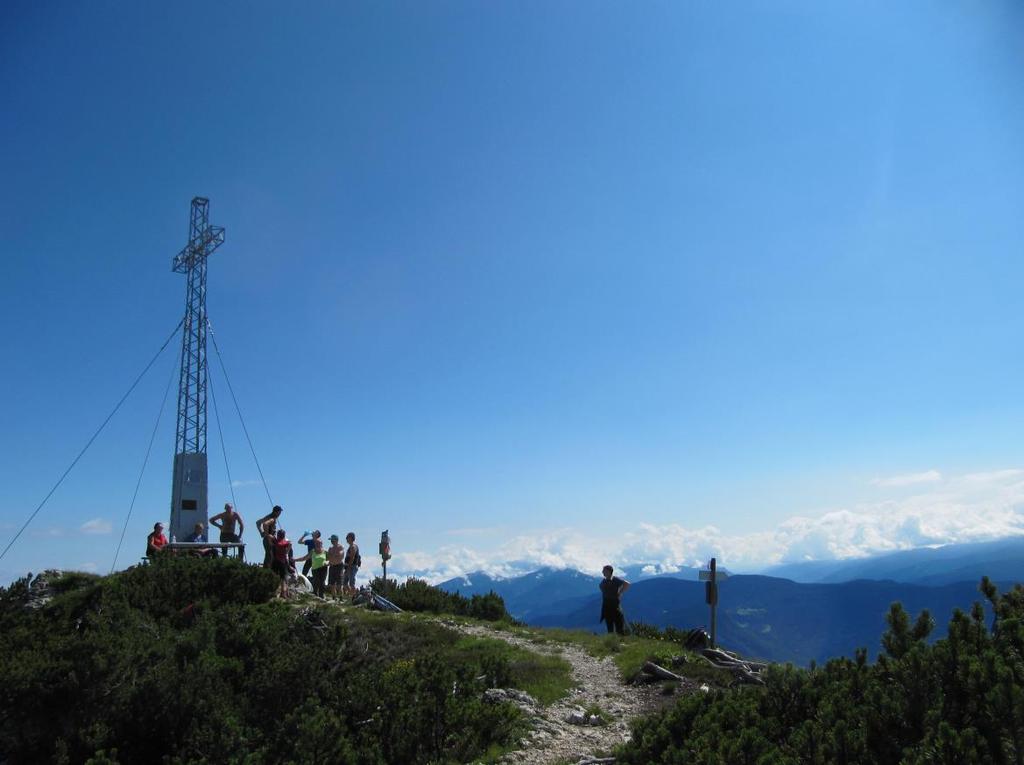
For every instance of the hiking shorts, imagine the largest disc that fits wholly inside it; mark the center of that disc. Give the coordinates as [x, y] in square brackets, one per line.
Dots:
[349, 579]
[225, 537]
[334, 572]
[279, 568]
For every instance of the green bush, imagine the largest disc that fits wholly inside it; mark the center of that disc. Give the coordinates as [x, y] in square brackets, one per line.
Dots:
[417, 595]
[959, 700]
[191, 660]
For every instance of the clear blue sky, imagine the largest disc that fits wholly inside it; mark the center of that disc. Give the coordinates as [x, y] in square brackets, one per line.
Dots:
[514, 269]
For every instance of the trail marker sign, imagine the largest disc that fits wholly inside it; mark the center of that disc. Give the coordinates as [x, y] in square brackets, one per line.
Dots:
[711, 575]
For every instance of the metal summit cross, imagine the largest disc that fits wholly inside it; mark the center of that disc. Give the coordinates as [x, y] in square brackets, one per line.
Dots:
[189, 482]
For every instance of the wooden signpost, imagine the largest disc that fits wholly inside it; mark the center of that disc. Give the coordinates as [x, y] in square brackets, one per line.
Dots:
[710, 576]
[385, 552]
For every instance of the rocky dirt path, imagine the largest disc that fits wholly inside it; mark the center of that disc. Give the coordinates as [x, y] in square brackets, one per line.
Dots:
[553, 739]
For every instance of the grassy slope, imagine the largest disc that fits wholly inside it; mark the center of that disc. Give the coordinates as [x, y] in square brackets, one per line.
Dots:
[545, 677]
[629, 653]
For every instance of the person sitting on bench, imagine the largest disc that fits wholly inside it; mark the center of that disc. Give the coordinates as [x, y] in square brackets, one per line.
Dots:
[199, 536]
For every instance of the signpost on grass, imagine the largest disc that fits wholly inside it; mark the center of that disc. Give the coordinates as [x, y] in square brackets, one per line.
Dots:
[710, 576]
[385, 552]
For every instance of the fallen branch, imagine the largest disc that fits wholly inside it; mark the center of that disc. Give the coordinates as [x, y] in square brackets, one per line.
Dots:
[653, 669]
[747, 672]
[725, 657]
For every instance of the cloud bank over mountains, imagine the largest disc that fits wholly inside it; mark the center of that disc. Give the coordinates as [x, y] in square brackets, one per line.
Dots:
[974, 507]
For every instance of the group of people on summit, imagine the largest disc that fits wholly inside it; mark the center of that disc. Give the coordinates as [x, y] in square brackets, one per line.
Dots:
[331, 569]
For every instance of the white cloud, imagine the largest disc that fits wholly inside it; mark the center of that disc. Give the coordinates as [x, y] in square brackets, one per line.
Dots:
[970, 508]
[993, 476]
[96, 526]
[473, 531]
[909, 479]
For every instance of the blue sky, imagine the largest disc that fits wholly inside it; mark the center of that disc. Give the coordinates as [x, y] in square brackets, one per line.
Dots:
[535, 281]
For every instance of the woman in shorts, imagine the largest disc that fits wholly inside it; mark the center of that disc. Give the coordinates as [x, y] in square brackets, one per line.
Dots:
[317, 559]
[280, 563]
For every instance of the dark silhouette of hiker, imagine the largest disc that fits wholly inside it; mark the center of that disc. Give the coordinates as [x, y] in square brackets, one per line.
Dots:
[612, 589]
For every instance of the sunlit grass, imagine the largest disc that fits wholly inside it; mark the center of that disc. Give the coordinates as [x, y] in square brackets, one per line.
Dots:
[545, 677]
[628, 652]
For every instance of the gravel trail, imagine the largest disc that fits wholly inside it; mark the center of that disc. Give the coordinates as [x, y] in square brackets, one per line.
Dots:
[553, 739]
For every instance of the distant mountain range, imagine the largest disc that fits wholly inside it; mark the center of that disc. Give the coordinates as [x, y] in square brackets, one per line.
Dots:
[530, 594]
[772, 617]
[1002, 560]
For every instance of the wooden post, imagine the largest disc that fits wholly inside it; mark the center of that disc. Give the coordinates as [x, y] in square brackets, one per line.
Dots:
[385, 554]
[714, 601]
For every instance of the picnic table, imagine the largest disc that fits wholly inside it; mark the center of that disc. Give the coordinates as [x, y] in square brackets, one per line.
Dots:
[224, 547]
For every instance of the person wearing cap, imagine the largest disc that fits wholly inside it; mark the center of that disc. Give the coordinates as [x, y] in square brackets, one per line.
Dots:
[156, 541]
[335, 566]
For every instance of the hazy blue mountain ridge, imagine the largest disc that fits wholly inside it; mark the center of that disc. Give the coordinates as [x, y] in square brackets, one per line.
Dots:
[773, 617]
[1001, 560]
[530, 593]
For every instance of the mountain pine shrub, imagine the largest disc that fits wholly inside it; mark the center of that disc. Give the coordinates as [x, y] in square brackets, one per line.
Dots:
[958, 701]
[191, 661]
[417, 595]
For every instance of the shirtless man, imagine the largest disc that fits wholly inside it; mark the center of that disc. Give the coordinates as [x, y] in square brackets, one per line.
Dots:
[335, 566]
[266, 527]
[352, 561]
[226, 522]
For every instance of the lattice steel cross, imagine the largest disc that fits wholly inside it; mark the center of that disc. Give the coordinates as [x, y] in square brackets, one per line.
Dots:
[203, 239]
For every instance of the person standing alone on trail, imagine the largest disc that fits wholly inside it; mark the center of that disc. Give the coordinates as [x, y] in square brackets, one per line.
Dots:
[612, 590]
[335, 565]
[352, 563]
[226, 522]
